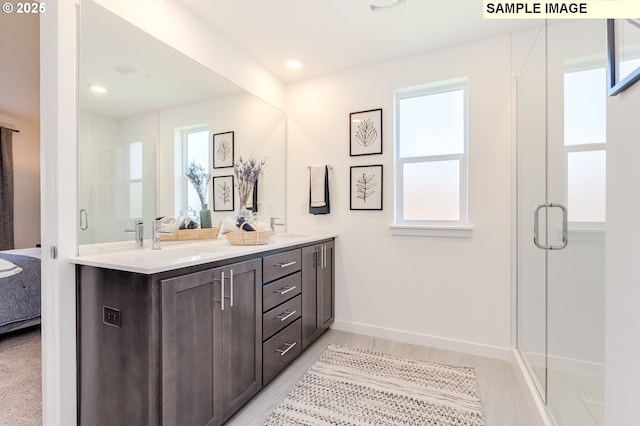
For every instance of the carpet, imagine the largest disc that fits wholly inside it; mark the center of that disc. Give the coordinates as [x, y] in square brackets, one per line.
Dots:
[349, 386]
[20, 378]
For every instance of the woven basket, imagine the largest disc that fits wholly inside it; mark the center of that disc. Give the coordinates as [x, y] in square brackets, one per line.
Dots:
[191, 234]
[244, 238]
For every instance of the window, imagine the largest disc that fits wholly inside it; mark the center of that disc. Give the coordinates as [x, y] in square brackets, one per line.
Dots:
[135, 180]
[431, 155]
[195, 147]
[584, 141]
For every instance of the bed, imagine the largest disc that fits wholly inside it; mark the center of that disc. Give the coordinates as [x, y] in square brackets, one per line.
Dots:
[19, 289]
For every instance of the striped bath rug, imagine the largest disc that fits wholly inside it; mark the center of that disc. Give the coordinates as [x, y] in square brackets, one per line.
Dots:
[349, 386]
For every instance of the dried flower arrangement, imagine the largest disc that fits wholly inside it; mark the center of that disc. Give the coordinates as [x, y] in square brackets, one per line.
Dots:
[247, 173]
[199, 178]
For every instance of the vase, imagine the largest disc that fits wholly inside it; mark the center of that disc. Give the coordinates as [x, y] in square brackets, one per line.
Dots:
[205, 216]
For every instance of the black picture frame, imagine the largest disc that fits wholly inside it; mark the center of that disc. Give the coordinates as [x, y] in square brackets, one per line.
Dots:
[615, 84]
[223, 194]
[223, 145]
[365, 185]
[365, 132]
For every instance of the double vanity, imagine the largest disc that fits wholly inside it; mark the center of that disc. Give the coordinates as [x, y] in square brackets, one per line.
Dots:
[188, 334]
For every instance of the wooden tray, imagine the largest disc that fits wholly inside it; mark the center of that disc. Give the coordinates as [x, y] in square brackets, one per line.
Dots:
[191, 234]
[248, 238]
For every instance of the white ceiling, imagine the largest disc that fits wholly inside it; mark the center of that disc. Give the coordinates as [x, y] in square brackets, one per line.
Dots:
[327, 35]
[140, 73]
[332, 35]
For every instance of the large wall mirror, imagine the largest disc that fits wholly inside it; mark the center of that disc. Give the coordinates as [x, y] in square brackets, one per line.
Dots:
[146, 111]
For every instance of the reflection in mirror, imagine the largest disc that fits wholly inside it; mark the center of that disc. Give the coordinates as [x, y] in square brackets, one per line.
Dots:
[156, 110]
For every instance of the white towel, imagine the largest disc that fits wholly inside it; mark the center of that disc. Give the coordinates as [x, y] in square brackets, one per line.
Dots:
[317, 185]
[8, 269]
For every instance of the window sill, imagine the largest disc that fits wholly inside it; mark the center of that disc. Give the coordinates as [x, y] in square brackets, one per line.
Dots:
[432, 231]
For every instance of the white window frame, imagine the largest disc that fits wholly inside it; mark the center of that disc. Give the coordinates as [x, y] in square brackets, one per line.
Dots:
[437, 228]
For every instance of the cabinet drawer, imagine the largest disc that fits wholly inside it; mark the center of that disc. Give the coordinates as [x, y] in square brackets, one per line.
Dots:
[281, 316]
[281, 264]
[280, 291]
[280, 350]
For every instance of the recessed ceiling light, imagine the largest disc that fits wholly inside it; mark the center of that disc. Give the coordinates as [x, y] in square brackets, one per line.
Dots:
[98, 89]
[294, 63]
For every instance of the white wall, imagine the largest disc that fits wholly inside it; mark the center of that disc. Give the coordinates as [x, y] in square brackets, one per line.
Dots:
[447, 292]
[622, 293]
[259, 130]
[26, 175]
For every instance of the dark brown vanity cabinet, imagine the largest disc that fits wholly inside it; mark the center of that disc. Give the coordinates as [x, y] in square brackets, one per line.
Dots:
[192, 346]
[318, 290]
[187, 349]
[211, 343]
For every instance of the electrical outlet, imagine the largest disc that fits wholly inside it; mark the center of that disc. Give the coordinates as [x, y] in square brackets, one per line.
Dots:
[112, 316]
[304, 207]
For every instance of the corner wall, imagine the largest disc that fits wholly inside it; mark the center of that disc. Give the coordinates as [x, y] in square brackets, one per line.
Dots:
[622, 292]
[453, 293]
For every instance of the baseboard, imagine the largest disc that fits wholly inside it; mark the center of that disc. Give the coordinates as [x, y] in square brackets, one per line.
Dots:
[567, 365]
[477, 349]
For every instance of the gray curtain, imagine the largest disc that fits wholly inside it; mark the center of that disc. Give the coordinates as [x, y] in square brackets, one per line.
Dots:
[6, 185]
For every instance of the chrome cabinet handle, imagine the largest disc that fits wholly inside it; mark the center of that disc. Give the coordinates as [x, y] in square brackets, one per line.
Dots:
[231, 284]
[285, 290]
[324, 257]
[286, 316]
[222, 291]
[284, 351]
[285, 264]
[84, 217]
[565, 222]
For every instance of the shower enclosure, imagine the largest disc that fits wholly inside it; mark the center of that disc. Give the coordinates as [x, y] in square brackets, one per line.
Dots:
[561, 149]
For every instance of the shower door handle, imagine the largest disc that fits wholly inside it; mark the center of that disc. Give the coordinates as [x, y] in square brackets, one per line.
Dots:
[84, 219]
[536, 227]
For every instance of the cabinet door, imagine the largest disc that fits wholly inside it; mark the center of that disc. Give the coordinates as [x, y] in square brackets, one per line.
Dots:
[191, 350]
[310, 328]
[317, 291]
[326, 286]
[242, 333]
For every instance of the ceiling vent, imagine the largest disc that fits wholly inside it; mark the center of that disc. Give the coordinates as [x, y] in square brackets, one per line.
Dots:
[126, 69]
[379, 5]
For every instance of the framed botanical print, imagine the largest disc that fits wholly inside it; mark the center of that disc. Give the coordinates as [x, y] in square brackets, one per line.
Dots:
[223, 194]
[365, 129]
[366, 187]
[223, 150]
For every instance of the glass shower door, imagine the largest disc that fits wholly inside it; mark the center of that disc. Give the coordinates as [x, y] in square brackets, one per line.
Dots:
[576, 154]
[561, 151]
[531, 190]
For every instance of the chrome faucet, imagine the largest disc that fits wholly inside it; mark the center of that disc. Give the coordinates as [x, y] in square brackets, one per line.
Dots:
[273, 223]
[139, 231]
[155, 236]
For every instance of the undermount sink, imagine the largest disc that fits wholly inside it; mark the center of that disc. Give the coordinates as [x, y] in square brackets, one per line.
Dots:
[175, 252]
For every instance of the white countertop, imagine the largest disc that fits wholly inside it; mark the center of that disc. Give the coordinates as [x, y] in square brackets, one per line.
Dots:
[180, 254]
